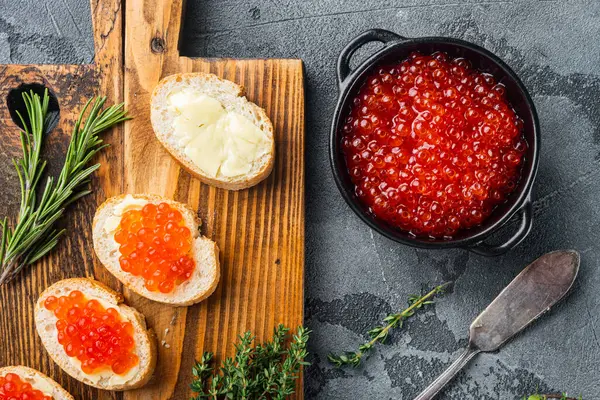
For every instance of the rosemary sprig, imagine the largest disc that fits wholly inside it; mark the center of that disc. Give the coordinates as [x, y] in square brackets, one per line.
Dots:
[380, 333]
[34, 235]
[267, 371]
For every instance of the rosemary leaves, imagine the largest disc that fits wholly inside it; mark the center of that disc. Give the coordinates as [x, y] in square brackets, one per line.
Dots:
[267, 371]
[34, 233]
[380, 333]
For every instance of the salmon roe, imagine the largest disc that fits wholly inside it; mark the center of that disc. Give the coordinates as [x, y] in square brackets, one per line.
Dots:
[12, 387]
[432, 145]
[95, 335]
[156, 244]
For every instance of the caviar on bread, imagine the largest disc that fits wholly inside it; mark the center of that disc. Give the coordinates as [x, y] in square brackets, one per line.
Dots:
[432, 145]
[152, 245]
[93, 336]
[20, 383]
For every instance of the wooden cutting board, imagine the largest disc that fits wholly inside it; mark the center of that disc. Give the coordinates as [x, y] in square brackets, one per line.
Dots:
[260, 231]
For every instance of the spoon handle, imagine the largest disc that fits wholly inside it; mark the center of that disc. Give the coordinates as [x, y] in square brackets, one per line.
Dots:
[442, 380]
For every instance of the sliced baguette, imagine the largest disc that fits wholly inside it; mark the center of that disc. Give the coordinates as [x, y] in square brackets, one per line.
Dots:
[198, 287]
[232, 98]
[38, 381]
[145, 340]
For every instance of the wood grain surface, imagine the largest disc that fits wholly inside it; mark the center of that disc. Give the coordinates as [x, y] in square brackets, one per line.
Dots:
[260, 231]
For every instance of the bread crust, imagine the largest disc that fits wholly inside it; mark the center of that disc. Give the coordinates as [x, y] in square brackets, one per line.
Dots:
[139, 288]
[59, 393]
[145, 338]
[229, 184]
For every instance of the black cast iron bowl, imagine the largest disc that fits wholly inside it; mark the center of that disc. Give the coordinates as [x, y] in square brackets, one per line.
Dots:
[396, 48]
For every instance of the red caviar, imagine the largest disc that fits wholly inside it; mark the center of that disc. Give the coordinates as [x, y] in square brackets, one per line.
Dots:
[156, 244]
[12, 387]
[96, 336]
[432, 145]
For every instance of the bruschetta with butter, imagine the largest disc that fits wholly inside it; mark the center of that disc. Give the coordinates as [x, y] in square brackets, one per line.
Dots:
[93, 336]
[152, 245]
[209, 126]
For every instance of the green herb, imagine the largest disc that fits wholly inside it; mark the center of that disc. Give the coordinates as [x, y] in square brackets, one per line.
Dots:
[267, 371]
[380, 333]
[34, 234]
[562, 396]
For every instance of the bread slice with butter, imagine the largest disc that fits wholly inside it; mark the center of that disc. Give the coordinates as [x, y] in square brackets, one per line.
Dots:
[209, 126]
[144, 339]
[205, 252]
[38, 381]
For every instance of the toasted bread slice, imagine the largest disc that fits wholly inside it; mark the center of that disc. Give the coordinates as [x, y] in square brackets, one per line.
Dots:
[206, 274]
[231, 96]
[145, 340]
[38, 381]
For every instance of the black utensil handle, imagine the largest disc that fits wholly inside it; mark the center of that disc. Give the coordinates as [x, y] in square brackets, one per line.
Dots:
[526, 215]
[372, 35]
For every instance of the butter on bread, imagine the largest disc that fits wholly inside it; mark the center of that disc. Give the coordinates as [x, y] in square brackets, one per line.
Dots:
[225, 141]
[38, 381]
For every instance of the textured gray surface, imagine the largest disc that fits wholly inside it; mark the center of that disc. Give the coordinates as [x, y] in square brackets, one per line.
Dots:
[354, 276]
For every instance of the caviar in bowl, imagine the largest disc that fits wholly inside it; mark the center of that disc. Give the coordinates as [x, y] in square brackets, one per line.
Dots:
[434, 142]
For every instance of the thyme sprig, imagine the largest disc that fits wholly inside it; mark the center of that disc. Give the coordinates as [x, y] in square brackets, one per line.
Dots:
[267, 371]
[34, 234]
[380, 333]
[560, 396]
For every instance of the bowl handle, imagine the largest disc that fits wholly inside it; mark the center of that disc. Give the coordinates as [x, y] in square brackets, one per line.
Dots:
[526, 215]
[372, 35]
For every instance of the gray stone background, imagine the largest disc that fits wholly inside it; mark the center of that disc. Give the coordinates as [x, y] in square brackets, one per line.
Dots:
[354, 277]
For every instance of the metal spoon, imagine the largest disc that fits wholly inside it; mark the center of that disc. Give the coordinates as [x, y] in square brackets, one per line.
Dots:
[541, 285]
